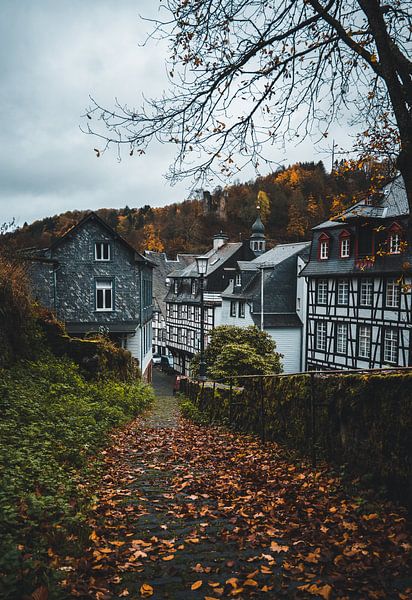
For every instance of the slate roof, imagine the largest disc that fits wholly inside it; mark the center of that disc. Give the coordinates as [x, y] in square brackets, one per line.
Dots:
[216, 258]
[279, 285]
[393, 203]
[163, 269]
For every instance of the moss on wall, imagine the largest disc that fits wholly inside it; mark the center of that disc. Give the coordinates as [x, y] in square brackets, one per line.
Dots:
[362, 421]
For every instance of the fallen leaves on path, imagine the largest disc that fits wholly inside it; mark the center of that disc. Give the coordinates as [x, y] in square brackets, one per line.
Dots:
[186, 511]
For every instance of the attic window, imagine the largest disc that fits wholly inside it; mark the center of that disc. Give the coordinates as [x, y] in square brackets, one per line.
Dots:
[344, 244]
[323, 248]
[102, 251]
[395, 239]
[238, 280]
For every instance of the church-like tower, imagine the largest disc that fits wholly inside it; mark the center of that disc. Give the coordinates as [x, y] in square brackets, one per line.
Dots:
[257, 239]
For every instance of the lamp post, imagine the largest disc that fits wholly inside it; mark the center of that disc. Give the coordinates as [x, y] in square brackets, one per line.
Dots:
[201, 263]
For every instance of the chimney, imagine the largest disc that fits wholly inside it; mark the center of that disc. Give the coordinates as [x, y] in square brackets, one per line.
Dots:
[219, 240]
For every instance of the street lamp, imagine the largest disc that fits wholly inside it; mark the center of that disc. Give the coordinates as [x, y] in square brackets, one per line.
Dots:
[201, 263]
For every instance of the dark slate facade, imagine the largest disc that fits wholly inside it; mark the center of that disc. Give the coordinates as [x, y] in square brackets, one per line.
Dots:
[93, 280]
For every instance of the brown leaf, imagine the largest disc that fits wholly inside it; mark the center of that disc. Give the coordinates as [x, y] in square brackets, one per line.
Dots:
[196, 585]
[146, 590]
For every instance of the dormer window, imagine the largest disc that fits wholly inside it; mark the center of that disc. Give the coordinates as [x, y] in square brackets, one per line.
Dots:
[344, 244]
[238, 279]
[194, 287]
[323, 248]
[395, 239]
[175, 286]
[102, 251]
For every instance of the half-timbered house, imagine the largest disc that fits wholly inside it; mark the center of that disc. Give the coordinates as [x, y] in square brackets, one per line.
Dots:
[359, 286]
[163, 266]
[183, 298]
[95, 282]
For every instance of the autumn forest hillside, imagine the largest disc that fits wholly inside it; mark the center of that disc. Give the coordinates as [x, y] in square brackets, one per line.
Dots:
[292, 200]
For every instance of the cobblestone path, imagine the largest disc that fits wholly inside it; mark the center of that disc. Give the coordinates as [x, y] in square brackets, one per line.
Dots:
[187, 512]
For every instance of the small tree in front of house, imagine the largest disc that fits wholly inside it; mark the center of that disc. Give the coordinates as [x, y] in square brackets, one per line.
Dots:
[236, 351]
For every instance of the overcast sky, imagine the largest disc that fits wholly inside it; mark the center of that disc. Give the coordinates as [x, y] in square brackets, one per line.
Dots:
[53, 54]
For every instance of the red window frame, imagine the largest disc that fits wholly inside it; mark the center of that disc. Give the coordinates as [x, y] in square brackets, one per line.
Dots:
[344, 235]
[323, 238]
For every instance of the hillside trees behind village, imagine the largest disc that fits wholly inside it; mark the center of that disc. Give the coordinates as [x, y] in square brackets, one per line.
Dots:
[291, 200]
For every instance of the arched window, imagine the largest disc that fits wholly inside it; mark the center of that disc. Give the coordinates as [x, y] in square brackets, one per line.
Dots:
[323, 246]
[344, 244]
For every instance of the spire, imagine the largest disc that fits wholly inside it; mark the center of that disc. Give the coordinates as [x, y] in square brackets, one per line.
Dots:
[257, 239]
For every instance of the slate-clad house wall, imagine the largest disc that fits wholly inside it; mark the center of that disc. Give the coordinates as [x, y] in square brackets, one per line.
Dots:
[283, 298]
[359, 286]
[93, 280]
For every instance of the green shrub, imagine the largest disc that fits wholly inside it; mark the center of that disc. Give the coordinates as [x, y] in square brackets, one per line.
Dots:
[53, 421]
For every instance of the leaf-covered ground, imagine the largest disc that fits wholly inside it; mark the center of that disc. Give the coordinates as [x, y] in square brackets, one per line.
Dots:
[198, 512]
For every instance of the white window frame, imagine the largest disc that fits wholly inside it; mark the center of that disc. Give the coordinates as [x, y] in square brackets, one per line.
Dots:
[175, 286]
[238, 279]
[393, 293]
[390, 345]
[345, 247]
[342, 338]
[233, 308]
[324, 250]
[321, 332]
[241, 310]
[364, 341]
[343, 292]
[322, 291]
[104, 285]
[395, 243]
[194, 287]
[366, 292]
[102, 246]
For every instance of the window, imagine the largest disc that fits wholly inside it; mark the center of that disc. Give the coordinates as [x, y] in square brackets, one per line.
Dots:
[392, 293]
[343, 291]
[323, 248]
[395, 239]
[320, 343]
[390, 346]
[341, 338]
[366, 292]
[102, 251]
[179, 335]
[179, 311]
[241, 310]
[104, 295]
[364, 341]
[175, 286]
[238, 279]
[322, 291]
[194, 287]
[345, 247]
[395, 243]
[197, 313]
[232, 308]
